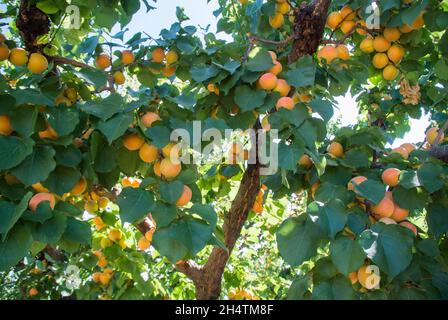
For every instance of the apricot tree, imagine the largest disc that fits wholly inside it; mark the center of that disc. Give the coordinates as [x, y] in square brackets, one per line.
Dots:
[90, 171]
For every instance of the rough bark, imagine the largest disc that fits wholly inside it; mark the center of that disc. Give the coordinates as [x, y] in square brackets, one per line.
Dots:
[32, 23]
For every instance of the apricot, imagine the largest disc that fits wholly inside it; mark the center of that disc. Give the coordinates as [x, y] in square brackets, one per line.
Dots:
[38, 187]
[367, 278]
[143, 244]
[391, 176]
[334, 19]
[285, 102]
[391, 34]
[103, 202]
[273, 56]
[4, 52]
[268, 81]
[171, 150]
[71, 94]
[361, 31]
[127, 57]
[103, 61]
[168, 169]
[277, 20]
[133, 142]
[5, 126]
[282, 87]
[343, 52]
[276, 69]
[355, 181]
[335, 149]
[366, 45]
[283, 7]
[384, 209]
[149, 234]
[410, 226]
[381, 44]
[347, 13]
[102, 262]
[431, 135]
[80, 187]
[171, 57]
[353, 277]
[405, 28]
[257, 207]
[119, 78]
[401, 151]
[418, 22]
[185, 198]
[96, 277]
[156, 169]
[149, 118]
[91, 206]
[395, 53]
[18, 56]
[99, 223]
[408, 146]
[347, 26]
[329, 53]
[158, 55]
[105, 243]
[114, 235]
[314, 188]
[41, 197]
[33, 292]
[105, 278]
[49, 133]
[168, 71]
[148, 153]
[122, 244]
[380, 60]
[390, 72]
[387, 221]
[305, 161]
[399, 214]
[37, 63]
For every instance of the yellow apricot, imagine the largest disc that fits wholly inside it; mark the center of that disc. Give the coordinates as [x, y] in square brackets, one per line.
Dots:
[395, 53]
[408, 146]
[401, 151]
[347, 26]
[390, 72]
[276, 69]
[4, 52]
[114, 235]
[169, 169]
[38, 187]
[343, 52]
[133, 142]
[149, 118]
[347, 13]
[18, 56]
[431, 135]
[305, 161]
[366, 45]
[37, 63]
[380, 60]
[148, 153]
[367, 278]
[283, 7]
[282, 87]
[268, 81]
[158, 55]
[185, 198]
[391, 34]
[385, 208]
[168, 71]
[335, 149]
[156, 169]
[91, 206]
[391, 177]
[5, 126]
[171, 57]
[276, 21]
[285, 102]
[143, 244]
[119, 78]
[334, 19]
[329, 53]
[103, 61]
[171, 150]
[381, 44]
[127, 57]
[80, 187]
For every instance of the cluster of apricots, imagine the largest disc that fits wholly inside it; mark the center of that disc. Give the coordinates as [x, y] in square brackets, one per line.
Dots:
[258, 205]
[106, 275]
[36, 62]
[347, 21]
[282, 8]
[103, 61]
[242, 294]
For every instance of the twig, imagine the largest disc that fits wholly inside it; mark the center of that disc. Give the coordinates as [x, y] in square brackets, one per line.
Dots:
[62, 60]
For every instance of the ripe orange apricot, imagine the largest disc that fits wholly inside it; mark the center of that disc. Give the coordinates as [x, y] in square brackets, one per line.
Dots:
[4, 52]
[329, 53]
[343, 52]
[361, 25]
[390, 72]
[277, 20]
[408, 146]
[381, 44]
[380, 60]
[347, 13]
[314, 188]
[148, 153]
[37, 63]
[156, 169]
[149, 118]
[353, 277]
[355, 181]
[18, 56]
[410, 226]
[171, 57]
[283, 7]
[335, 149]
[41, 197]
[5, 126]
[49, 133]
[103, 202]
[395, 53]
[347, 26]
[334, 19]
[366, 45]
[168, 71]
[119, 78]
[391, 176]
[133, 142]
[114, 235]
[33, 292]
[158, 55]
[367, 278]
[401, 151]
[80, 187]
[268, 81]
[127, 57]
[276, 69]
[305, 161]
[171, 150]
[96, 277]
[399, 214]
[143, 244]
[431, 135]
[282, 87]
[185, 198]
[285, 102]
[418, 22]
[391, 34]
[105, 278]
[169, 169]
[385, 208]
[103, 61]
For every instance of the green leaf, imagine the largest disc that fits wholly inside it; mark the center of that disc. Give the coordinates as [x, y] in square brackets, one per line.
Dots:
[116, 126]
[97, 78]
[78, 231]
[356, 158]
[23, 120]
[15, 247]
[389, 246]
[249, 99]
[259, 59]
[437, 219]
[346, 254]
[297, 240]
[51, 230]
[135, 204]
[429, 176]
[13, 150]
[164, 214]
[328, 191]
[230, 66]
[69, 156]
[441, 69]
[206, 212]
[372, 190]
[338, 288]
[63, 120]
[202, 73]
[412, 199]
[171, 191]
[47, 6]
[62, 180]
[11, 213]
[289, 155]
[302, 73]
[298, 288]
[160, 136]
[330, 217]
[105, 108]
[37, 166]
[7, 103]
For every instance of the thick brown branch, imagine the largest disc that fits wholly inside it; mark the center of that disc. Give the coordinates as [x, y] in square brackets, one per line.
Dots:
[62, 60]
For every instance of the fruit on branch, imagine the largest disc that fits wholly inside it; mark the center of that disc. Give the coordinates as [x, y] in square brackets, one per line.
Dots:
[362, 27]
[391, 34]
[305, 161]
[268, 81]
[143, 244]
[285, 102]
[39, 198]
[213, 88]
[4, 52]
[381, 44]
[385, 208]
[170, 169]
[283, 7]
[149, 118]
[168, 70]
[103, 202]
[431, 135]
[38, 187]
[395, 53]
[347, 13]
[185, 198]
[367, 278]
[277, 20]
[37, 63]
[156, 169]
[335, 149]
[158, 55]
[276, 69]
[49, 133]
[71, 94]
[327, 53]
[114, 235]
[355, 181]
[366, 45]
[399, 214]
[353, 277]
[119, 78]
[33, 292]
[391, 177]
[99, 223]
[171, 57]
[390, 72]
[401, 151]
[171, 150]
[347, 26]
[5, 125]
[105, 279]
[103, 61]
[18, 57]
[334, 19]
[127, 57]
[282, 87]
[343, 52]
[148, 153]
[80, 187]
[133, 142]
[408, 146]
[105, 243]
[91, 206]
[127, 182]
